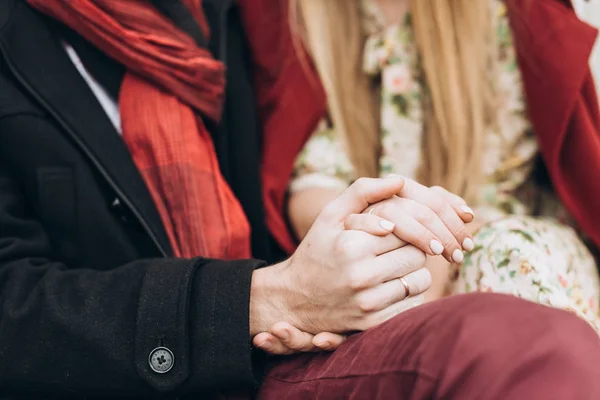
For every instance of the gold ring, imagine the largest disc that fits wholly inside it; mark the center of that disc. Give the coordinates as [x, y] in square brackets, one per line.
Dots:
[406, 287]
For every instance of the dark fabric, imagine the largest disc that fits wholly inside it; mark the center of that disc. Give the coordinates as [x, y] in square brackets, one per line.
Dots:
[150, 46]
[225, 309]
[103, 68]
[177, 12]
[237, 136]
[290, 100]
[478, 346]
[170, 80]
[87, 289]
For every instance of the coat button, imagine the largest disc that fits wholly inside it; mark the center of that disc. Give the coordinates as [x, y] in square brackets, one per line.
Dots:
[161, 360]
[120, 210]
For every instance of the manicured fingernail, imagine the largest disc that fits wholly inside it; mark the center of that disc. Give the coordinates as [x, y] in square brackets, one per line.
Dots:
[436, 247]
[468, 244]
[392, 176]
[458, 256]
[467, 210]
[387, 225]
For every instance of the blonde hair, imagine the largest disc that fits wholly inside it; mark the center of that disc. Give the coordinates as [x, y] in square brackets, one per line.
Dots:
[457, 49]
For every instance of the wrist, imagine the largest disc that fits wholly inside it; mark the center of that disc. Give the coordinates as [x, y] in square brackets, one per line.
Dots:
[268, 303]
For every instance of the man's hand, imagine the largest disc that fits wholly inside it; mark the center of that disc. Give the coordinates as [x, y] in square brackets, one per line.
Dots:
[340, 280]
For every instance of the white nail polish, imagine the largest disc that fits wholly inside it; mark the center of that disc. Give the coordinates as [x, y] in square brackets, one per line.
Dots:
[458, 256]
[436, 247]
[467, 210]
[468, 244]
[387, 225]
[392, 176]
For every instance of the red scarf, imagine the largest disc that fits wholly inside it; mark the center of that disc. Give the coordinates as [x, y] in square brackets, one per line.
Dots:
[562, 101]
[169, 79]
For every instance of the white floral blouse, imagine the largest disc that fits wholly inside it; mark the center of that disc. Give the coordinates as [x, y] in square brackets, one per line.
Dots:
[391, 56]
[564, 275]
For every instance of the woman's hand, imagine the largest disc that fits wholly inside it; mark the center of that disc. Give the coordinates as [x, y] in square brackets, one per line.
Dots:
[285, 339]
[431, 219]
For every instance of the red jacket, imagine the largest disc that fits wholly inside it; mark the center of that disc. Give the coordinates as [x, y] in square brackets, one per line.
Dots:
[554, 47]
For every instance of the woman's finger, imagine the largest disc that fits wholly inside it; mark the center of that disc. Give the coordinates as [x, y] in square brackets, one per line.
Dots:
[369, 223]
[452, 249]
[271, 344]
[285, 339]
[408, 228]
[459, 204]
[293, 338]
[298, 341]
[327, 341]
[436, 202]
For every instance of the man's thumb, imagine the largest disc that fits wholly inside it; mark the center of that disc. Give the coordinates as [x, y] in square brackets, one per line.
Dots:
[361, 194]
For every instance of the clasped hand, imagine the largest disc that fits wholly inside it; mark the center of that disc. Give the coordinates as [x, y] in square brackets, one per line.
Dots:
[344, 276]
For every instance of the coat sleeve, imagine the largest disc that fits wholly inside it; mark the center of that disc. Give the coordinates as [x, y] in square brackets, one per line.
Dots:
[91, 332]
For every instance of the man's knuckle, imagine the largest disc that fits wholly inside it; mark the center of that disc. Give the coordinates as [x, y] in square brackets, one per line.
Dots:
[358, 280]
[366, 305]
[344, 244]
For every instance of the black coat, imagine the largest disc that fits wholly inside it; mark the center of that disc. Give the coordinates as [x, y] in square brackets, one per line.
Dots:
[88, 287]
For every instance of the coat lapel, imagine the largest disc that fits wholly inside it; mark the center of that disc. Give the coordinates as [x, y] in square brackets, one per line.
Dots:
[554, 48]
[38, 60]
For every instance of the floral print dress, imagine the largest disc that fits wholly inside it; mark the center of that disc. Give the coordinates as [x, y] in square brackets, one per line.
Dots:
[528, 246]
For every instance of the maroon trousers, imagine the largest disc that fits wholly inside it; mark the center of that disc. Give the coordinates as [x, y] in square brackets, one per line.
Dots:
[478, 346]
